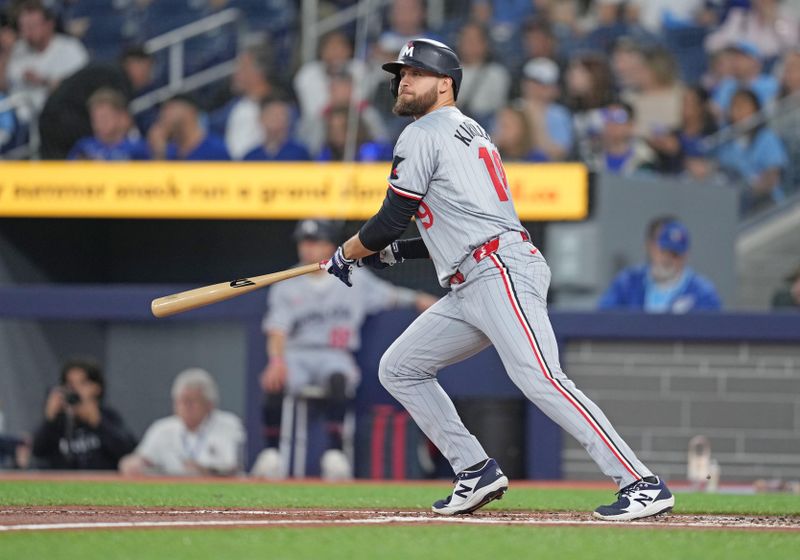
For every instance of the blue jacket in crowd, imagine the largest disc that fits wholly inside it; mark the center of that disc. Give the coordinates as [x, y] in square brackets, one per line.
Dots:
[633, 289]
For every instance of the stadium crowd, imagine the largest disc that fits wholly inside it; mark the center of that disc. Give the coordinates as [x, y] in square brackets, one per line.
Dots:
[626, 86]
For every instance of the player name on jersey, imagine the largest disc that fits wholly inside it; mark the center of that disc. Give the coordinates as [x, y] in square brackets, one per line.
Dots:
[466, 131]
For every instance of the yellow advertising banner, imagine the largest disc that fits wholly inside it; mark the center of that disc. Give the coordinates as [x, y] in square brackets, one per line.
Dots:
[247, 190]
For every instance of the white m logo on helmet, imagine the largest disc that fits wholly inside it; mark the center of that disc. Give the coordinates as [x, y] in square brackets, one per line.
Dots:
[408, 51]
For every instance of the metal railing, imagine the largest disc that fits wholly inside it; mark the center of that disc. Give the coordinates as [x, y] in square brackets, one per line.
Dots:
[781, 108]
[175, 41]
[314, 28]
[177, 82]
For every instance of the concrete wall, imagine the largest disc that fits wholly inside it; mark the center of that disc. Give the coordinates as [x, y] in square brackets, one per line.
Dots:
[742, 396]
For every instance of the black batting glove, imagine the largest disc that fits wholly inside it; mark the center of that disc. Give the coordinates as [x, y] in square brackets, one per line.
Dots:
[341, 267]
[386, 257]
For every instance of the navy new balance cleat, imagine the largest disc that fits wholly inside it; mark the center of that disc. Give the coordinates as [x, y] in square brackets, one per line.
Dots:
[637, 500]
[474, 489]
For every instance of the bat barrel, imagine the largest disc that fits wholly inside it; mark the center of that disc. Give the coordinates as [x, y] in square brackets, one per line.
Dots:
[198, 297]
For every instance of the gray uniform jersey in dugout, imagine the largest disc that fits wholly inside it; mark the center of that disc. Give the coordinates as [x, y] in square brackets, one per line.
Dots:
[449, 163]
[318, 311]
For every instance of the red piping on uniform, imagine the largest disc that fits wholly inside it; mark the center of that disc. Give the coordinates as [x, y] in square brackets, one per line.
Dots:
[378, 440]
[399, 446]
[404, 194]
[549, 377]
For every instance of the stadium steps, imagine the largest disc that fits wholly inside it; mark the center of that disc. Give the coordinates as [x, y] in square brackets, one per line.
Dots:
[767, 250]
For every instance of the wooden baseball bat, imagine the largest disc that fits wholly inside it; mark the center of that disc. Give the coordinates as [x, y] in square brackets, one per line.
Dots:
[198, 297]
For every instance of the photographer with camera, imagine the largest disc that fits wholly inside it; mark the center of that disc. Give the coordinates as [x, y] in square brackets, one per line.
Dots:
[79, 431]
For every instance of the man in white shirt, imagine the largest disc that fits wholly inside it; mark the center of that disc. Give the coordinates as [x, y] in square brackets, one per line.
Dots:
[198, 440]
[251, 84]
[39, 59]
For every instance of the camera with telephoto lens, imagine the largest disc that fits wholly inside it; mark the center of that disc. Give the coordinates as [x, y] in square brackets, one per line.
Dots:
[71, 397]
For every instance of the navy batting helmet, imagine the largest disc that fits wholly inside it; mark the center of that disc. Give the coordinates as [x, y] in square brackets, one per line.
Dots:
[426, 54]
[319, 230]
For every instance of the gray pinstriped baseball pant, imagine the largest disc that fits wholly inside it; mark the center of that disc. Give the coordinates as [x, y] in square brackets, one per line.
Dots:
[503, 303]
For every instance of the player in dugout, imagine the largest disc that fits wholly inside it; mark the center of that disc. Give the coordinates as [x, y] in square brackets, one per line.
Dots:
[313, 328]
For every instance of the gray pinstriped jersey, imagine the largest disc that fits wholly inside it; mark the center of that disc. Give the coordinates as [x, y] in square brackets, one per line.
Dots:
[319, 311]
[448, 162]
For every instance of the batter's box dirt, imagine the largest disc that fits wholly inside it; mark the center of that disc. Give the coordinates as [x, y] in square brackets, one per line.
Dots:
[33, 518]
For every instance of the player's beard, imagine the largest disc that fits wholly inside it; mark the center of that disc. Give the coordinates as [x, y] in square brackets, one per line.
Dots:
[415, 105]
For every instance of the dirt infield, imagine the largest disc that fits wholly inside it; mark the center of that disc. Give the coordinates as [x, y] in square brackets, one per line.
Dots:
[38, 518]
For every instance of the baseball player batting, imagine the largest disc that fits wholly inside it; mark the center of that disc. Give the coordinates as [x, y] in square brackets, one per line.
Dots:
[448, 173]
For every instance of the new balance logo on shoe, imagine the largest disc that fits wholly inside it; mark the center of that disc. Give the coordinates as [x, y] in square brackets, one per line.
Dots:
[643, 499]
[462, 491]
[473, 490]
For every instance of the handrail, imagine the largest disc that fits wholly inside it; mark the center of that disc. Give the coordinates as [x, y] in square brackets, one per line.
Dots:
[313, 29]
[782, 107]
[180, 34]
[175, 41]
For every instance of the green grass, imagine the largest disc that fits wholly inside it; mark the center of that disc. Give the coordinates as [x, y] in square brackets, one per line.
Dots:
[386, 543]
[344, 496]
[441, 542]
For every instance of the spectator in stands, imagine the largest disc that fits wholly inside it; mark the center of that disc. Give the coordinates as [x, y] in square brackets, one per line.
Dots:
[656, 15]
[665, 284]
[65, 117]
[621, 152]
[39, 59]
[79, 431]
[312, 83]
[697, 122]
[756, 157]
[538, 41]
[504, 14]
[406, 22]
[335, 146]
[550, 122]
[768, 26]
[7, 122]
[790, 73]
[657, 93]
[198, 440]
[276, 121]
[788, 296]
[485, 85]
[748, 73]
[614, 19]
[513, 137]
[589, 87]
[627, 61]
[114, 137]
[179, 135]
[700, 165]
[720, 68]
[238, 120]
[340, 95]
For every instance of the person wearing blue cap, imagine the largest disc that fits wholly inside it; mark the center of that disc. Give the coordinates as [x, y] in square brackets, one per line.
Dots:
[748, 73]
[665, 284]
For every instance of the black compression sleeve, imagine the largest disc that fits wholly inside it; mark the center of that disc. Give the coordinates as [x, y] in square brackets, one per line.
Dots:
[413, 248]
[389, 223]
